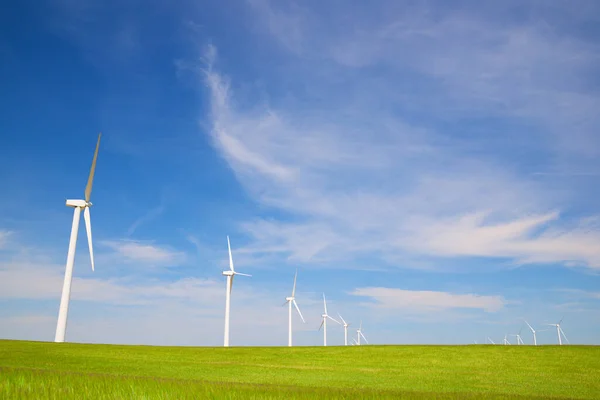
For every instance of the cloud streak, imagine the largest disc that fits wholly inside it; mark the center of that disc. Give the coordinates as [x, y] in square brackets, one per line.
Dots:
[376, 184]
[428, 301]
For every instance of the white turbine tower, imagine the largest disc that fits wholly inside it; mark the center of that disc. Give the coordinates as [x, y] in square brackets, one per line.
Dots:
[78, 205]
[532, 331]
[359, 334]
[289, 301]
[230, 273]
[324, 321]
[346, 325]
[518, 336]
[559, 331]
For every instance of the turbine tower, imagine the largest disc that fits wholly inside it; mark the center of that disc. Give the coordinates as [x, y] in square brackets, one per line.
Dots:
[289, 301]
[532, 331]
[346, 325]
[518, 336]
[230, 273]
[78, 205]
[559, 331]
[324, 321]
[359, 334]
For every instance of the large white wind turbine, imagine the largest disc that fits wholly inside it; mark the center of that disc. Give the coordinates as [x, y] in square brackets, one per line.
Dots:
[532, 331]
[289, 301]
[324, 321]
[559, 331]
[78, 205]
[359, 334]
[346, 325]
[230, 273]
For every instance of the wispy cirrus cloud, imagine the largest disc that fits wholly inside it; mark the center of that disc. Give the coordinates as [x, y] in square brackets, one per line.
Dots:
[369, 182]
[4, 236]
[428, 301]
[144, 252]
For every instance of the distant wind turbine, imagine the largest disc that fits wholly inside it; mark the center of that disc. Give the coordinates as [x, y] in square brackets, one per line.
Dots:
[532, 331]
[559, 331]
[518, 336]
[346, 325]
[359, 334]
[491, 341]
[230, 273]
[289, 301]
[324, 321]
[78, 205]
[506, 340]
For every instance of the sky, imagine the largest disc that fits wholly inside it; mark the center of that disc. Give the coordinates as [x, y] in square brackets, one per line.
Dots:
[432, 167]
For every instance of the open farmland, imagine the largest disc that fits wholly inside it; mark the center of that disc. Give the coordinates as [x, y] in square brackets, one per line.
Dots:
[36, 370]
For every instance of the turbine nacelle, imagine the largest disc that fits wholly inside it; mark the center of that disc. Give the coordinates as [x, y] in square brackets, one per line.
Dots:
[289, 299]
[78, 203]
[229, 273]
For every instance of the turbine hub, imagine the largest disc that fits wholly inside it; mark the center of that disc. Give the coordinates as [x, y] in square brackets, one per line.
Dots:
[228, 273]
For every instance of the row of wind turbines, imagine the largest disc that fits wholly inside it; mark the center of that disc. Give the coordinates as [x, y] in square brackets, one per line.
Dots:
[559, 332]
[291, 300]
[85, 204]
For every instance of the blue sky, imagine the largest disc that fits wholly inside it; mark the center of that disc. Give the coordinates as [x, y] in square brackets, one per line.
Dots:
[432, 167]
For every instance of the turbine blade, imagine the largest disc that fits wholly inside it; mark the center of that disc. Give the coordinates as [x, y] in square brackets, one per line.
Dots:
[287, 301]
[298, 308]
[88, 229]
[333, 319]
[565, 336]
[340, 315]
[363, 336]
[239, 273]
[294, 289]
[88, 187]
[532, 330]
[230, 258]
[324, 303]
[322, 322]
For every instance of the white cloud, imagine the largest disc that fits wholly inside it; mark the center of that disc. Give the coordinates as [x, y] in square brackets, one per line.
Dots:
[4, 235]
[384, 187]
[428, 301]
[137, 251]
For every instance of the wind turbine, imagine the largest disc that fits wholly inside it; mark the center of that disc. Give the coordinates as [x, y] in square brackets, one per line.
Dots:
[532, 331]
[346, 325]
[78, 205]
[230, 273]
[518, 336]
[359, 334]
[491, 341]
[289, 301]
[559, 331]
[324, 321]
[506, 340]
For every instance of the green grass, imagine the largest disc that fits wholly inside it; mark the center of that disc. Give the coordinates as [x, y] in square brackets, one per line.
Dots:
[35, 370]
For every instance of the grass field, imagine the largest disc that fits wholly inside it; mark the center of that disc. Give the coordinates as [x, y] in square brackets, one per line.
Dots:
[35, 370]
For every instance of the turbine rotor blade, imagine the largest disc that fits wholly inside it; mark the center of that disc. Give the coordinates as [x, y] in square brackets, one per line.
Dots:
[333, 319]
[230, 257]
[565, 336]
[340, 315]
[363, 336]
[298, 308]
[88, 229]
[88, 187]
[324, 303]
[239, 273]
[322, 322]
[294, 289]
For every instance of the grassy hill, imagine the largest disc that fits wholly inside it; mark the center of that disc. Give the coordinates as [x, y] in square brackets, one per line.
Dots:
[36, 370]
